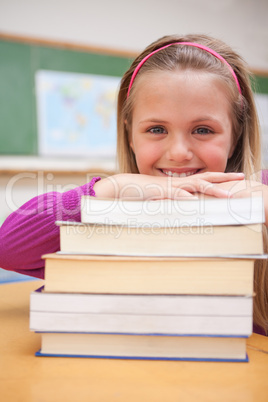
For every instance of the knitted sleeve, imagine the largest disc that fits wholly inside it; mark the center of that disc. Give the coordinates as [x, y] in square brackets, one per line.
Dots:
[30, 232]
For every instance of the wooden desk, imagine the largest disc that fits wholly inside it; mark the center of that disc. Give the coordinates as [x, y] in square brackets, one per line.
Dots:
[26, 378]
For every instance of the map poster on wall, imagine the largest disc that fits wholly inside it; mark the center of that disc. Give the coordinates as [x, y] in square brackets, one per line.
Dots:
[76, 114]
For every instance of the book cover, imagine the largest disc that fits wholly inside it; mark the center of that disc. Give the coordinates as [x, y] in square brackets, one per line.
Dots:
[245, 359]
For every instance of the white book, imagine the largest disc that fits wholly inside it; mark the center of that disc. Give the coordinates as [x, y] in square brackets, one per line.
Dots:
[141, 314]
[162, 213]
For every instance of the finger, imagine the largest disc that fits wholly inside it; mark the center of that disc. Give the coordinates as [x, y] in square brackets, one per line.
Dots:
[213, 190]
[219, 177]
[203, 187]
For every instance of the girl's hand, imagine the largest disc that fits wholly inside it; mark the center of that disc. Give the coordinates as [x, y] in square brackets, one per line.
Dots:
[144, 187]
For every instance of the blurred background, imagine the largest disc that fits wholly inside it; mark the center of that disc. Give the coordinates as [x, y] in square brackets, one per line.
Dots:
[128, 25]
[60, 67]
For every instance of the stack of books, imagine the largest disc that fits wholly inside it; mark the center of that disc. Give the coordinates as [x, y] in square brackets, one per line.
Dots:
[167, 280]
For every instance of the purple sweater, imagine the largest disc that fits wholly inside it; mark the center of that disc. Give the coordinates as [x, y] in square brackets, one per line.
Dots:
[30, 232]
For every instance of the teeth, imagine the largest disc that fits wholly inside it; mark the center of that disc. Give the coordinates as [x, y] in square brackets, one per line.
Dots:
[174, 174]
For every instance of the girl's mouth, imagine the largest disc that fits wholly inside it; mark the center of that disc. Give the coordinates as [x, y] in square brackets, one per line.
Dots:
[171, 173]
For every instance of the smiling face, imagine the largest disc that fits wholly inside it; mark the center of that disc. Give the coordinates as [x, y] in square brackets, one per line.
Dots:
[181, 124]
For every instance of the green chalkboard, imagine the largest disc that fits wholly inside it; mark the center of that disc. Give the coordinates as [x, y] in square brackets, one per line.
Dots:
[18, 65]
[261, 84]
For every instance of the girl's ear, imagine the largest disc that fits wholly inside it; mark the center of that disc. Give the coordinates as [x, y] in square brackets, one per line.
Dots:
[231, 152]
[129, 134]
[131, 145]
[232, 148]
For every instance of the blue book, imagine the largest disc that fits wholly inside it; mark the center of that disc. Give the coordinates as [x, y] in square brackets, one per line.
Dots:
[144, 347]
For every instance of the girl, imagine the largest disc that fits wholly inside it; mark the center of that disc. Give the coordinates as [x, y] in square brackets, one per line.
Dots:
[187, 126]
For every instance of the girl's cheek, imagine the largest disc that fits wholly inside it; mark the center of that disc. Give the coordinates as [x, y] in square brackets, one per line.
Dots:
[216, 160]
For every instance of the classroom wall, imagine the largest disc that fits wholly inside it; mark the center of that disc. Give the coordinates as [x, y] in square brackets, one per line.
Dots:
[131, 25]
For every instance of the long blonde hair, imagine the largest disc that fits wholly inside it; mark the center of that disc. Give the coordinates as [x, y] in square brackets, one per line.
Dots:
[246, 133]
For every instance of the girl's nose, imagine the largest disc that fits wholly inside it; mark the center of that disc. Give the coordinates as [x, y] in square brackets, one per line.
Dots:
[179, 150]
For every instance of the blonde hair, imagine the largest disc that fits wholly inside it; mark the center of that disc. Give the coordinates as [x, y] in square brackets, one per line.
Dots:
[246, 133]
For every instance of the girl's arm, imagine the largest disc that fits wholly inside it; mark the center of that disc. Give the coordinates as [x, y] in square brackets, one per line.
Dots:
[30, 232]
[144, 187]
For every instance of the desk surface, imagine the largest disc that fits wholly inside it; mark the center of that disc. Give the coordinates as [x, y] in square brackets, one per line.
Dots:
[26, 378]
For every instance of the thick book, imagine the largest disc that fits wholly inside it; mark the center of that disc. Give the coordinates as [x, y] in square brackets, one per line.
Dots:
[174, 213]
[158, 241]
[141, 314]
[166, 227]
[144, 275]
[138, 275]
[230, 349]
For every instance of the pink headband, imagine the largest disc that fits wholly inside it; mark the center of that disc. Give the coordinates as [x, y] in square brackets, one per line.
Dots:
[207, 49]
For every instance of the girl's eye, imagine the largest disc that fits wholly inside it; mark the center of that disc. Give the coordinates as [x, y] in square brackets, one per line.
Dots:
[157, 130]
[202, 131]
